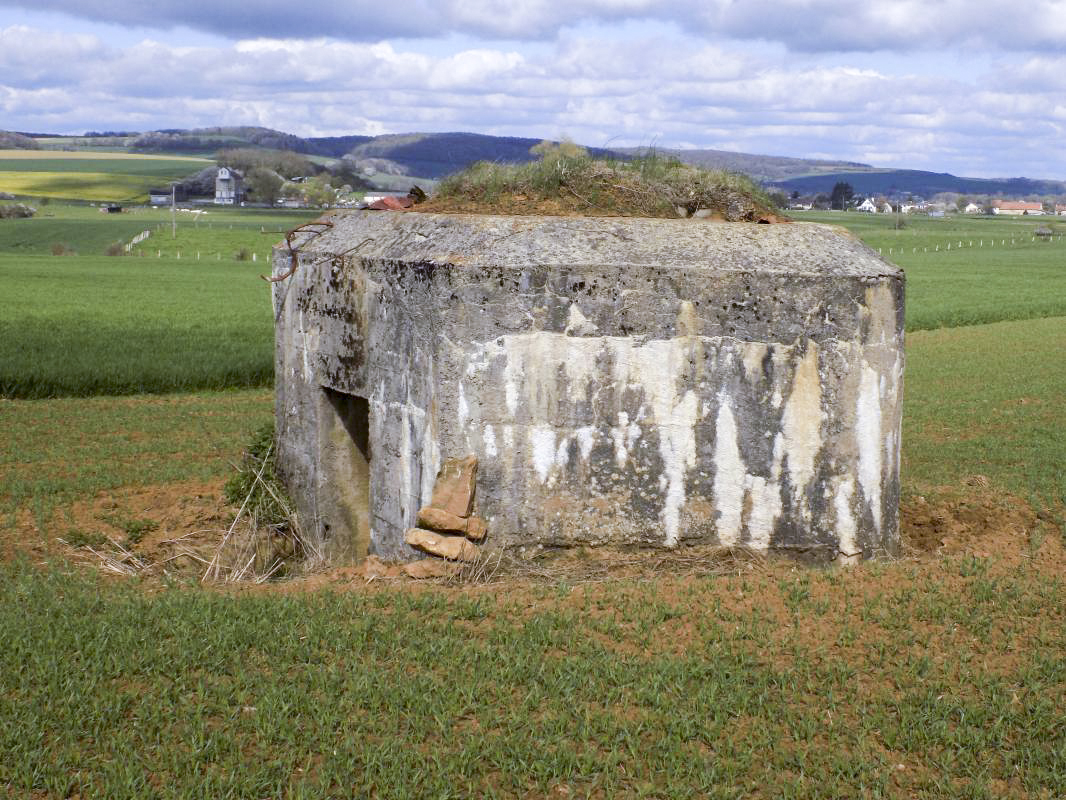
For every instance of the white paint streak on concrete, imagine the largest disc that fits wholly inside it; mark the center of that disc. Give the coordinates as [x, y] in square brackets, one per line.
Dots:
[488, 438]
[562, 453]
[462, 409]
[580, 365]
[586, 439]
[508, 438]
[618, 435]
[577, 324]
[306, 350]
[754, 353]
[512, 375]
[728, 474]
[870, 441]
[542, 446]
[430, 463]
[655, 367]
[765, 504]
[405, 461]
[801, 424]
[846, 527]
[781, 358]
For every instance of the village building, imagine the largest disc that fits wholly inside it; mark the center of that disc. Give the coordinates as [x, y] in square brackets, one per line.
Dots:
[162, 197]
[972, 208]
[1060, 210]
[229, 187]
[1013, 208]
[867, 206]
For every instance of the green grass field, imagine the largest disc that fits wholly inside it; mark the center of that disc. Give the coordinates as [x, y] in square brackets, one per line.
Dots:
[99, 177]
[85, 326]
[813, 685]
[977, 283]
[181, 313]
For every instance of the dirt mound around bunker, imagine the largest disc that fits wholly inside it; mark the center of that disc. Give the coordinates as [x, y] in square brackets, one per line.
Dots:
[176, 529]
[974, 519]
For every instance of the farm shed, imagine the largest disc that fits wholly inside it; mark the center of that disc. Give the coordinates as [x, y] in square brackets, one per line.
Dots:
[619, 381]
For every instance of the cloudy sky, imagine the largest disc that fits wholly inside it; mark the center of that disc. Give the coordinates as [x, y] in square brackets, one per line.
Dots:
[973, 87]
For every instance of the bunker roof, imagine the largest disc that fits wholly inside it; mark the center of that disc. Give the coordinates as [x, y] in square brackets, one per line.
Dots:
[513, 241]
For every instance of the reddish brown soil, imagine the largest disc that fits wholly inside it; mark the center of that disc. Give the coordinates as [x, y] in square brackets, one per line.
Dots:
[191, 518]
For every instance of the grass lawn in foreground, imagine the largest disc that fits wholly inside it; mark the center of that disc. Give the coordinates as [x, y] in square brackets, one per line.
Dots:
[935, 679]
[56, 451]
[988, 400]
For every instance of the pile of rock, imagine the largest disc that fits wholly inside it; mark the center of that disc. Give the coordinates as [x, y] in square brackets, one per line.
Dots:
[447, 528]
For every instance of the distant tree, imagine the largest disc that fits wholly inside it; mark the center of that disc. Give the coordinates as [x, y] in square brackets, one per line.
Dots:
[795, 194]
[779, 198]
[263, 184]
[317, 191]
[11, 140]
[284, 162]
[962, 202]
[841, 195]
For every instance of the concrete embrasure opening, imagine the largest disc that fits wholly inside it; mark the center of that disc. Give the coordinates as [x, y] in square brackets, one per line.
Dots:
[344, 446]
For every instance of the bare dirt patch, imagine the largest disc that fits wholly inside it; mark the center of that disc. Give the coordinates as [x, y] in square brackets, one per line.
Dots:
[173, 524]
[176, 529]
[975, 519]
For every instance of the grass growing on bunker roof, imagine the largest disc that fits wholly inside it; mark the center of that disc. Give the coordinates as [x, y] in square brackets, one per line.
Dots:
[567, 180]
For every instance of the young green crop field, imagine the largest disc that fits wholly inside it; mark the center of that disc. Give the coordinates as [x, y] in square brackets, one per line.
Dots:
[180, 313]
[99, 177]
[993, 271]
[940, 675]
[940, 680]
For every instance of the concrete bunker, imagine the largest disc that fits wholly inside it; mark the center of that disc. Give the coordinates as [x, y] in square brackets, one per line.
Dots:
[621, 381]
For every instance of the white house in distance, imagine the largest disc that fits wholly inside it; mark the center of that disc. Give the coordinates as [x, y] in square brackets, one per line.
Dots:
[868, 206]
[229, 187]
[1060, 210]
[1015, 209]
[972, 208]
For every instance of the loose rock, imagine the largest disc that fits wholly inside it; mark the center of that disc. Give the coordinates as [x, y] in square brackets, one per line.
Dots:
[453, 548]
[439, 520]
[454, 490]
[431, 568]
[476, 529]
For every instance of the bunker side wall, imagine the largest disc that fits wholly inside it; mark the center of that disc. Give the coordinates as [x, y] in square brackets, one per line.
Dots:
[371, 337]
[760, 410]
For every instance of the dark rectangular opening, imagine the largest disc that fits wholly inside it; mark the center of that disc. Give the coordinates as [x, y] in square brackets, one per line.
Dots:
[344, 463]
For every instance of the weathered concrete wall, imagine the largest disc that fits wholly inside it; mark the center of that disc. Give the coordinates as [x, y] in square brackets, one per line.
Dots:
[626, 381]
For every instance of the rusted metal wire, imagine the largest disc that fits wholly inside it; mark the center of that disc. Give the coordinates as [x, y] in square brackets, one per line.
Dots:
[316, 228]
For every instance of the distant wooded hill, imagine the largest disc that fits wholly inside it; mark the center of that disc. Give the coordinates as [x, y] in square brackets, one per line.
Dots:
[917, 182]
[758, 167]
[434, 155]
